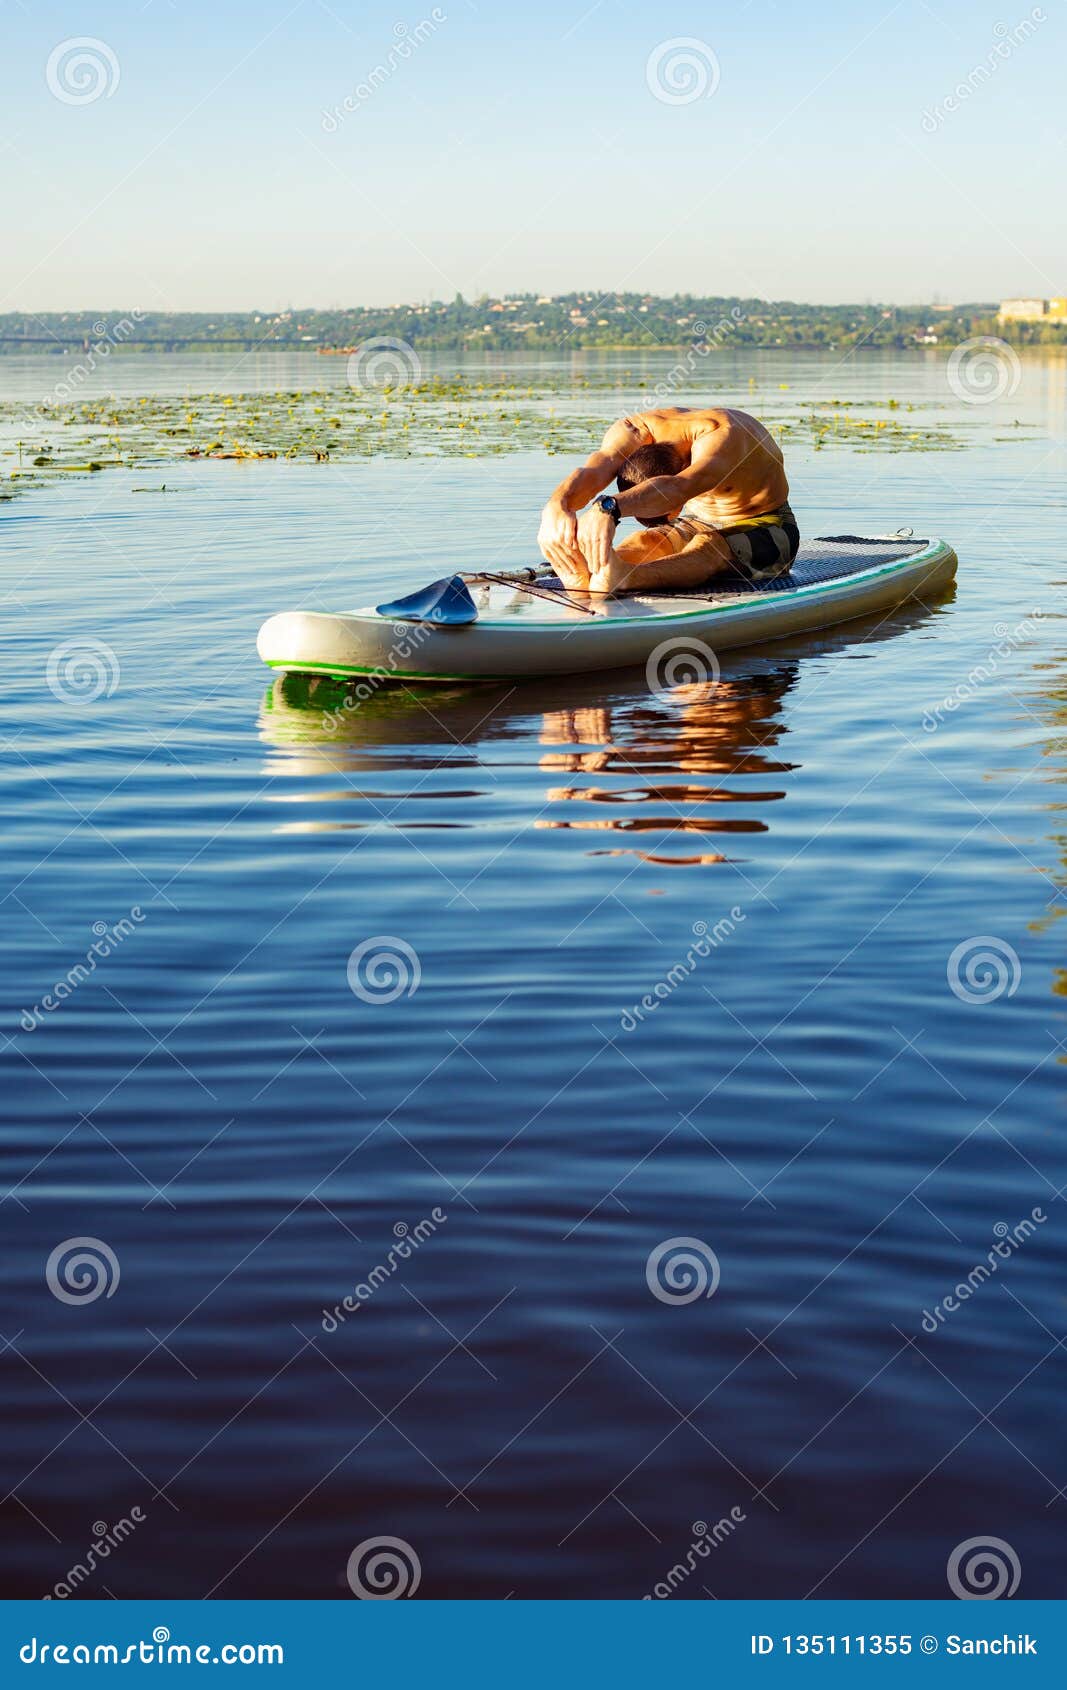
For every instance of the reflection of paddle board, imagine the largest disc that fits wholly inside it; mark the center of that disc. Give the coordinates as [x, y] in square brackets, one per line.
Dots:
[550, 632]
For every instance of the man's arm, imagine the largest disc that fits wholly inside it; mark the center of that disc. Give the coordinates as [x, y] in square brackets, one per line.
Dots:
[663, 494]
[601, 466]
[557, 537]
[648, 560]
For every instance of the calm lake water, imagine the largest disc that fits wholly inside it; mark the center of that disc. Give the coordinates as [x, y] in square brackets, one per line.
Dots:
[843, 1114]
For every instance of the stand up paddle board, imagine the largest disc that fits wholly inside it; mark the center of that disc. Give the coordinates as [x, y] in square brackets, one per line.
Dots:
[505, 626]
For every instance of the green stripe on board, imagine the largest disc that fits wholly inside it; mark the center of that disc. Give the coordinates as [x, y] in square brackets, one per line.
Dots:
[344, 670]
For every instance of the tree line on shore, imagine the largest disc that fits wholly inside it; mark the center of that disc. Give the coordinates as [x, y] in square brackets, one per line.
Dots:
[562, 323]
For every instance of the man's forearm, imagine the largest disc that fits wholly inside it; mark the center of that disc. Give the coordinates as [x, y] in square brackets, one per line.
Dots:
[575, 490]
[656, 497]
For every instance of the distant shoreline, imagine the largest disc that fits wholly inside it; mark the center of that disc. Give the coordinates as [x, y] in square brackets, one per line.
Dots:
[685, 326]
[217, 347]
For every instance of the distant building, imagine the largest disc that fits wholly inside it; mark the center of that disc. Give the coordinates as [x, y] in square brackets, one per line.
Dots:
[1057, 310]
[1022, 310]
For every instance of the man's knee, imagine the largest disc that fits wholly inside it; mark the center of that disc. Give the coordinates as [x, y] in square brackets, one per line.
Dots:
[649, 544]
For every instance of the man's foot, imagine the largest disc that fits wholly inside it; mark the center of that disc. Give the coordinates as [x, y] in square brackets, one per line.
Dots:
[572, 575]
[613, 578]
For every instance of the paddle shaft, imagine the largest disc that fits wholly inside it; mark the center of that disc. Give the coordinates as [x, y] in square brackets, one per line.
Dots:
[520, 578]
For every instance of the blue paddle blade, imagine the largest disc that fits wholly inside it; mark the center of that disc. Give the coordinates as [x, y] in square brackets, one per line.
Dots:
[446, 602]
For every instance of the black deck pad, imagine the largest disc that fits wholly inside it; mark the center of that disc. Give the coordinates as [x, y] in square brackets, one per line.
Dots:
[828, 559]
[825, 559]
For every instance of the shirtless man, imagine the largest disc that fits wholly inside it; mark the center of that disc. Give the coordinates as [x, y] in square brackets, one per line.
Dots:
[708, 488]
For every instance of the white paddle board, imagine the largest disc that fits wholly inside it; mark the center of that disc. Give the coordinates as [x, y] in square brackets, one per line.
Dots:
[556, 632]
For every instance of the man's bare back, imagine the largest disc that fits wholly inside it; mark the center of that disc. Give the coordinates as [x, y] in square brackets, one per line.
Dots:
[695, 479]
[747, 460]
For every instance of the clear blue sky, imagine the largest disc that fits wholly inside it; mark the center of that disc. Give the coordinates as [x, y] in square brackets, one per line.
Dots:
[521, 147]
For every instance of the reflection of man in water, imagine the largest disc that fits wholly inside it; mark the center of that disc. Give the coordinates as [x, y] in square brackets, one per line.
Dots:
[722, 728]
[708, 488]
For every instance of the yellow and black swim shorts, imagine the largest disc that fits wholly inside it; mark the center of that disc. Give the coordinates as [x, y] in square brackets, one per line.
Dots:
[764, 547]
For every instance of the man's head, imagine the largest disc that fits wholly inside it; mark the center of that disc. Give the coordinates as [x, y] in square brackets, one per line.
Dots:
[647, 462]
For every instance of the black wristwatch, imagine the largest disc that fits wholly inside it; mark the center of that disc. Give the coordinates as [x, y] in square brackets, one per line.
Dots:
[609, 504]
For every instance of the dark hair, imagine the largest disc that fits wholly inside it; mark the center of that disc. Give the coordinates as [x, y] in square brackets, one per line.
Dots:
[661, 458]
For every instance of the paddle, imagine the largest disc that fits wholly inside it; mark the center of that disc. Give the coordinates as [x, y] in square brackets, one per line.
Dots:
[447, 603]
[524, 580]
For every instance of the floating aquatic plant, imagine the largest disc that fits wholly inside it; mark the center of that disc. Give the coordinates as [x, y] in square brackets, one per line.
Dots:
[437, 416]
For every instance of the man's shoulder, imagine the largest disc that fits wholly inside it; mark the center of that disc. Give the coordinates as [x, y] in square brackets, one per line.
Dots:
[669, 422]
[635, 425]
[719, 416]
[692, 418]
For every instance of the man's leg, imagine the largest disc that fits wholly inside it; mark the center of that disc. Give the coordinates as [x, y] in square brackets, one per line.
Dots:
[658, 558]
